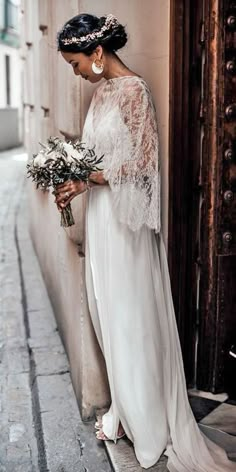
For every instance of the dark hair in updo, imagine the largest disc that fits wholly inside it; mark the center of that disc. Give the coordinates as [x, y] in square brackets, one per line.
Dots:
[112, 39]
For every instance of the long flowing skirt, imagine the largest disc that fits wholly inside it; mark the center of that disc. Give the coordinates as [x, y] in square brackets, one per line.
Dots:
[132, 311]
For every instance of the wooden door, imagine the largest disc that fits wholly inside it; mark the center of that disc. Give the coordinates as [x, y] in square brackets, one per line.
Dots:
[202, 210]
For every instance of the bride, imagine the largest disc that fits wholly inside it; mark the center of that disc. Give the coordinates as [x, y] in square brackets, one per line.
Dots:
[127, 275]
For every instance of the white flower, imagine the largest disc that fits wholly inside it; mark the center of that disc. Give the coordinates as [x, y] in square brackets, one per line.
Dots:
[39, 160]
[51, 155]
[71, 152]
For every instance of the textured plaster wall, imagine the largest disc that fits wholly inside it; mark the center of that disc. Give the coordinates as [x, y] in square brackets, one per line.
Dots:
[56, 100]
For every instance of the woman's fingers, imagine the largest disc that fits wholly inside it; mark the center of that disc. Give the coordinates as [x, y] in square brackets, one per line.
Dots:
[69, 186]
[65, 194]
[62, 188]
[63, 197]
[64, 203]
[64, 184]
[65, 190]
[92, 175]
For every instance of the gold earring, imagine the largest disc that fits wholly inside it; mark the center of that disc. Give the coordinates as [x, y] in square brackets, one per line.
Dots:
[97, 66]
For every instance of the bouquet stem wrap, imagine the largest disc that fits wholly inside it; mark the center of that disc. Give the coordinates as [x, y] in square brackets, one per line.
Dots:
[67, 218]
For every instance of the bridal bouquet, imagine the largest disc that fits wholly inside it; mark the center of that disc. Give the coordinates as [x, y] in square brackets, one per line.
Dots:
[59, 161]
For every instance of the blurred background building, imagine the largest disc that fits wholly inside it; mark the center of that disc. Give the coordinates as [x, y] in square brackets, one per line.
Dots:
[186, 52]
[10, 75]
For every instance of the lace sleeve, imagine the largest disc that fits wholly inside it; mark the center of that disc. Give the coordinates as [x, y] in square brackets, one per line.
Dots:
[134, 170]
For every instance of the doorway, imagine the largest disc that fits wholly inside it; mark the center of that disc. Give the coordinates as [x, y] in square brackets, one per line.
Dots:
[202, 183]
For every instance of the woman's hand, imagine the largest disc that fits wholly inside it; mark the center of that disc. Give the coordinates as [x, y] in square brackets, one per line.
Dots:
[97, 178]
[67, 191]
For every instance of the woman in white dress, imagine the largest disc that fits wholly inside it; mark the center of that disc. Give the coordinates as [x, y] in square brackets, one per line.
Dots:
[127, 275]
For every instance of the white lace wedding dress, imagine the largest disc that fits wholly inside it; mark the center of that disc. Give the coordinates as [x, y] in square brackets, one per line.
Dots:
[129, 290]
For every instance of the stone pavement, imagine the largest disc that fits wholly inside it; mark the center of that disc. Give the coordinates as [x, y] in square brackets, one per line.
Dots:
[40, 425]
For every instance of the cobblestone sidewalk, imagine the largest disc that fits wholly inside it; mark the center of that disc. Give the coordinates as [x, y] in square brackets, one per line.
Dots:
[41, 429]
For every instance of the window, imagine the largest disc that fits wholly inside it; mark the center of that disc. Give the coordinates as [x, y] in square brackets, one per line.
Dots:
[11, 15]
[8, 78]
[2, 15]
[9, 22]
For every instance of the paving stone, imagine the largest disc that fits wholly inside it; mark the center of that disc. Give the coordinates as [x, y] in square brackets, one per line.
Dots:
[41, 321]
[46, 342]
[39, 300]
[17, 360]
[202, 406]
[70, 445]
[123, 458]
[17, 430]
[19, 458]
[221, 438]
[222, 418]
[51, 362]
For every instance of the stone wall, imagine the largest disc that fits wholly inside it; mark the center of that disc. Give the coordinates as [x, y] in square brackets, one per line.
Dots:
[57, 101]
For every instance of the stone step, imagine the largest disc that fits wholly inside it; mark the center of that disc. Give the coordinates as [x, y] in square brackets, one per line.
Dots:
[123, 458]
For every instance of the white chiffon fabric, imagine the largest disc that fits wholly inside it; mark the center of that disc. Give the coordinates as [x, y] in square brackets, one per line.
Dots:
[130, 297]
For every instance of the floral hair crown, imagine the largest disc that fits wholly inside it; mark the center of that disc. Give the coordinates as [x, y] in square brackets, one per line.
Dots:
[111, 21]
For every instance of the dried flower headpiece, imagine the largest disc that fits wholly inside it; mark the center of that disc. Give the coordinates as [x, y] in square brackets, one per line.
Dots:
[111, 21]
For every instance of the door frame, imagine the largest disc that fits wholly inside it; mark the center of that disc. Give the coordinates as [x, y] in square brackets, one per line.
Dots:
[193, 238]
[179, 147]
[199, 172]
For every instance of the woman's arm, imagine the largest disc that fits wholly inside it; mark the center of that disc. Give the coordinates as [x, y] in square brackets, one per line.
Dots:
[97, 178]
[70, 189]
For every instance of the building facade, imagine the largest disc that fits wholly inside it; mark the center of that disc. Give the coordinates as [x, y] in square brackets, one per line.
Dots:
[10, 75]
[178, 48]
